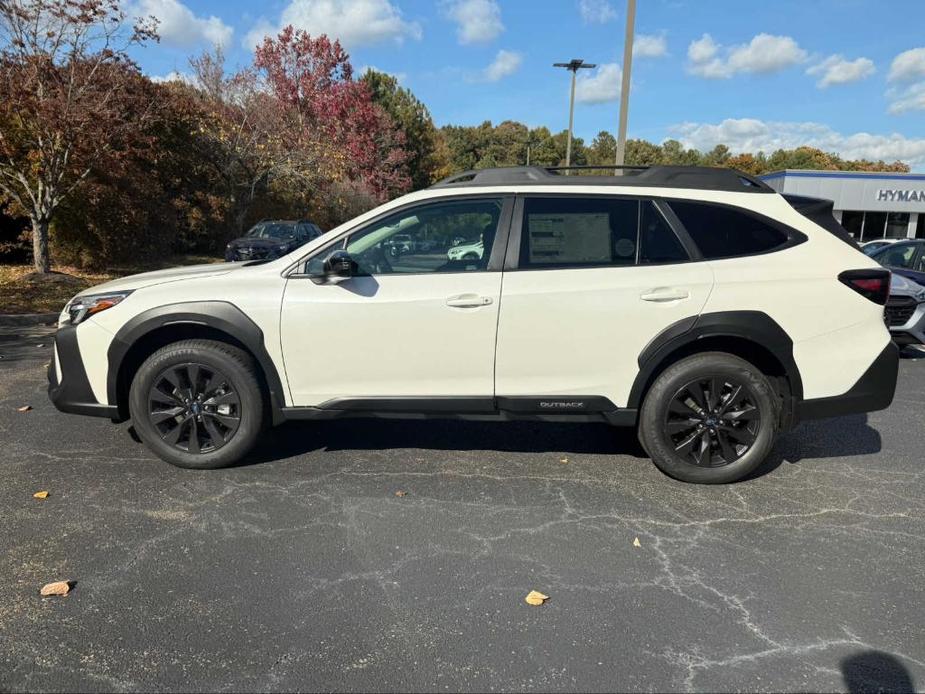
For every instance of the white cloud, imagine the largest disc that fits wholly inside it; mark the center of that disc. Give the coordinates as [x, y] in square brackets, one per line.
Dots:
[601, 87]
[175, 76]
[399, 76]
[178, 25]
[478, 21]
[910, 99]
[650, 46]
[596, 11]
[763, 54]
[752, 135]
[908, 65]
[836, 69]
[353, 22]
[505, 63]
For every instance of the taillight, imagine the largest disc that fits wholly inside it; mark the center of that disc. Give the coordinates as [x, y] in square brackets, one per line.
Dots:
[871, 284]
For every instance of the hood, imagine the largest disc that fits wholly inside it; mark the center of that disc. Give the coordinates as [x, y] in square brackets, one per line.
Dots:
[146, 279]
[259, 242]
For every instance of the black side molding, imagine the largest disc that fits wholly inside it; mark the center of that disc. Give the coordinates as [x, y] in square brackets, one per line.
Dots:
[220, 315]
[565, 408]
[873, 391]
[753, 326]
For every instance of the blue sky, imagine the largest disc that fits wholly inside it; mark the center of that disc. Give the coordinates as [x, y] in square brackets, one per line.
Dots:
[845, 75]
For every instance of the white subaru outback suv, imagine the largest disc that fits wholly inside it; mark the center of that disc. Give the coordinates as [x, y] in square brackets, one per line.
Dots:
[695, 304]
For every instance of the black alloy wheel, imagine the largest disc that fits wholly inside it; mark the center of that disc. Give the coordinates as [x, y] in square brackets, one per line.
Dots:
[713, 421]
[194, 407]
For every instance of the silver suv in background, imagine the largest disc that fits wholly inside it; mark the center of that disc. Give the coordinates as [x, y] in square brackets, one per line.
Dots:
[905, 311]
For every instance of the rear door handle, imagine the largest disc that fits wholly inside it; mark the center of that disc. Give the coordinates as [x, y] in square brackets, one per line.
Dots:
[662, 294]
[468, 301]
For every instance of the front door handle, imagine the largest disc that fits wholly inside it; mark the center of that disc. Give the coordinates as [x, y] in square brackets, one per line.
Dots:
[662, 294]
[468, 301]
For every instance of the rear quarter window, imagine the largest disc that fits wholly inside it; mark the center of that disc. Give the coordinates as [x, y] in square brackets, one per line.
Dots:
[725, 232]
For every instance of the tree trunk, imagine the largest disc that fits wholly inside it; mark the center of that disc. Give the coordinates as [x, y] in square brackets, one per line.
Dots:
[40, 245]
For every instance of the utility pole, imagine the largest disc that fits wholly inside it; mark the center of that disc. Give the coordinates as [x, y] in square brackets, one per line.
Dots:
[572, 66]
[625, 87]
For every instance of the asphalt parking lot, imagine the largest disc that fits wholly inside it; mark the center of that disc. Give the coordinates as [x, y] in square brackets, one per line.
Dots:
[307, 571]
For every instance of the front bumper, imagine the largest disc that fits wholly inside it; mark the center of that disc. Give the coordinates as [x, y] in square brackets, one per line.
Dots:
[873, 391]
[72, 393]
[233, 255]
[912, 330]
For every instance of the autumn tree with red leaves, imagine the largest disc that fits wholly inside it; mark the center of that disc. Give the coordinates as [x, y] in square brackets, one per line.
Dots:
[312, 79]
[66, 101]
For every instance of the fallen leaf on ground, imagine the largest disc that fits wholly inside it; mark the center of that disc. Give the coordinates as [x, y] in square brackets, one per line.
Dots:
[56, 588]
[563, 460]
[41, 495]
[535, 597]
[24, 408]
[636, 542]
[400, 493]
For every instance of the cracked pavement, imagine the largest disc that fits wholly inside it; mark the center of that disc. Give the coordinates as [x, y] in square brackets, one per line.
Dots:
[305, 571]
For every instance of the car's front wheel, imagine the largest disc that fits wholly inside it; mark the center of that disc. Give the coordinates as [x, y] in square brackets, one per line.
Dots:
[709, 418]
[198, 404]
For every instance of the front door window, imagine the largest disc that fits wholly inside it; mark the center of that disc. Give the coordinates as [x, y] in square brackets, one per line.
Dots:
[452, 236]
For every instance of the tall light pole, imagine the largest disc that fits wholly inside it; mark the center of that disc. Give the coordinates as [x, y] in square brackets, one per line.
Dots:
[572, 66]
[625, 87]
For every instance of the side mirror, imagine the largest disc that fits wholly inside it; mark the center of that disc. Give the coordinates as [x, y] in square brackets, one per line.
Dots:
[337, 267]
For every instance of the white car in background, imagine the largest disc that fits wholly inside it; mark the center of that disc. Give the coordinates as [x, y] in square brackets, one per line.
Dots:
[467, 251]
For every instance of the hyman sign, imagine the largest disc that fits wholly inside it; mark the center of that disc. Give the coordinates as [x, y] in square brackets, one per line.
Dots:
[895, 195]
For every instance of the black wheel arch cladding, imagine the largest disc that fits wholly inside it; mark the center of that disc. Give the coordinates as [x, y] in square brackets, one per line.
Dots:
[221, 316]
[754, 327]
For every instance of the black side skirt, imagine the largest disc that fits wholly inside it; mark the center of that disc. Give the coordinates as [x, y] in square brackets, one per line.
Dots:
[547, 408]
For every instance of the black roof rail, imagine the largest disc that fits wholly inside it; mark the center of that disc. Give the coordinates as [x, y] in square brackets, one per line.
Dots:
[696, 177]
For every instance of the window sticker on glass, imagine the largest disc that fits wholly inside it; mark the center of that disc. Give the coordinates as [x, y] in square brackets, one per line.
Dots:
[569, 238]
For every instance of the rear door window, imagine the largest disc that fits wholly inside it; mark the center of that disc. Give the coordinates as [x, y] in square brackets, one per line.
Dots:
[725, 232]
[579, 232]
[657, 240]
[595, 231]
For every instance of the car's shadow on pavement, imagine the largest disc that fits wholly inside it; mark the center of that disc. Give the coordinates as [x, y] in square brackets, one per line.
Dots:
[295, 438]
[823, 438]
[832, 438]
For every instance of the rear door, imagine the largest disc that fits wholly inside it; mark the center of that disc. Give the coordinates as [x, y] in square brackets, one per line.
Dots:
[589, 281]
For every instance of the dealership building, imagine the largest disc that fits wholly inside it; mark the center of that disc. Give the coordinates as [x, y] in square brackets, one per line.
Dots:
[869, 205]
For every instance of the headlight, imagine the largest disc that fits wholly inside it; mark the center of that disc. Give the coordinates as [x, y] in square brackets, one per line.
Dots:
[83, 307]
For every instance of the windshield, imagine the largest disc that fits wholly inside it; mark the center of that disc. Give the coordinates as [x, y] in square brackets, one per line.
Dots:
[276, 230]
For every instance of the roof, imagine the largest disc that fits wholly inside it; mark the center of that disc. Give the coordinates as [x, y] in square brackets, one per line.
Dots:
[695, 177]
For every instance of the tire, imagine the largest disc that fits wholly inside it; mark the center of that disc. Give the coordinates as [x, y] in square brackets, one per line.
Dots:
[226, 411]
[695, 436]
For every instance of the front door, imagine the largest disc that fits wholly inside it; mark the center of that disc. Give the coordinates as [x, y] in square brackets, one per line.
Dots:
[416, 325]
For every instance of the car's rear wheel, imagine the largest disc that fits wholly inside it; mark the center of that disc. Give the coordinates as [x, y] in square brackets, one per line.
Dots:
[709, 418]
[198, 404]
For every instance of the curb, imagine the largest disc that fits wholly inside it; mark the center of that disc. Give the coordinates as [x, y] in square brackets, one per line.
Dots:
[27, 319]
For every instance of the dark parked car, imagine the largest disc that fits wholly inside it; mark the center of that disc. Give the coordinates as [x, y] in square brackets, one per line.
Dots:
[271, 239]
[906, 258]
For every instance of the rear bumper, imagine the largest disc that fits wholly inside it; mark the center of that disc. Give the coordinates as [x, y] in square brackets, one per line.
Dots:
[73, 393]
[873, 391]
